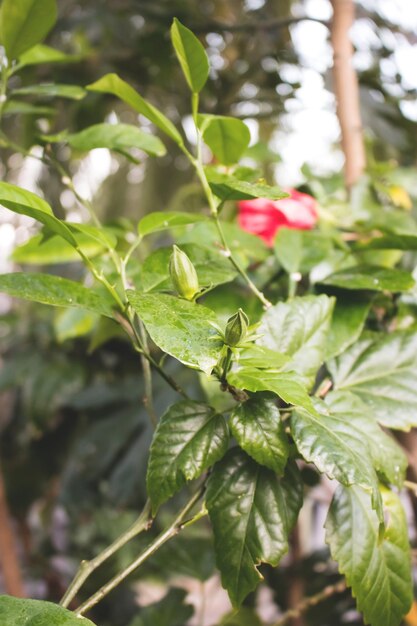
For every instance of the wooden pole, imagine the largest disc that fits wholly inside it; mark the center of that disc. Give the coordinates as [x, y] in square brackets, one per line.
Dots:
[9, 562]
[346, 90]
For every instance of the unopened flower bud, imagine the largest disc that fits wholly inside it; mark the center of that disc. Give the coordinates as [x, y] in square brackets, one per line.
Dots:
[183, 274]
[236, 328]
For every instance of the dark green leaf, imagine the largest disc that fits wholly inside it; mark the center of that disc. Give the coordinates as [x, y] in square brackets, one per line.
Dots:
[285, 384]
[52, 90]
[170, 611]
[347, 323]
[227, 137]
[111, 83]
[120, 137]
[373, 278]
[378, 570]
[24, 23]
[388, 457]
[227, 187]
[182, 329]
[190, 438]
[191, 55]
[298, 328]
[336, 448]
[158, 221]
[252, 512]
[382, 371]
[19, 612]
[27, 203]
[244, 617]
[258, 429]
[53, 290]
[211, 266]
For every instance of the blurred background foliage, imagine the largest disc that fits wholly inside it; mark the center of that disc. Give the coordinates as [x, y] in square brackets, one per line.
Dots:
[74, 433]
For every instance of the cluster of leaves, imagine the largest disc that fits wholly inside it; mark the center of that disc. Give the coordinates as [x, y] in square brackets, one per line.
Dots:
[351, 329]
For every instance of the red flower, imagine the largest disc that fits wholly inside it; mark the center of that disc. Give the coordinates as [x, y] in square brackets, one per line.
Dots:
[265, 217]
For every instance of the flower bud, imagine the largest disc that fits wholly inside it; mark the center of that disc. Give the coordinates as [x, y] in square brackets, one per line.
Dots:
[236, 328]
[183, 274]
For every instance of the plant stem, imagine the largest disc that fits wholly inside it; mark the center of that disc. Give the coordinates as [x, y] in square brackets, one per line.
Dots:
[176, 526]
[307, 603]
[147, 375]
[411, 486]
[143, 523]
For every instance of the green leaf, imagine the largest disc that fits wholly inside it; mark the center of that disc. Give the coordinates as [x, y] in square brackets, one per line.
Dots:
[41, 250]
[391, 241]
[379, 571]
[227, 137]
[227, 187]
[261, 357]
[40, 54]
[244, 617]
[111, 83]
[182, 329]
[382, 371]
[191, 55]
[301, 250]
[370, 277]
[285, 384]
[258, 429]
[164, 220]
[299, 329]
[211, 266]
[19, 612]
[52, 90]
[336, 448]
[348, 320]
[71, 323]
[252, 512]
[53, 290]
[190, 438]
[102, 235]
[170, 611]
[24, 23]
[16, 107]
[119, 137]
[27, 203]
[388, 458]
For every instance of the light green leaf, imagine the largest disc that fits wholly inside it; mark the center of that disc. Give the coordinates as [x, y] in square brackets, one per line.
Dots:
[391, 241]
[16, 107]
[24, 23]
[300, 250]
[52, 90]
[40, 54]
[191, 55]
[53, 290]
[382, 371]
[252, 512]
[119, 137]
[42, 250]
[164, 220]
[299, 329]
[22, 612]
[379, 571]
[211, 266]
[227, 187]
[182, 329]
[244, 617]
[261, 357]
[336, 448]
[227, 137]
[102, 235]
[27, 203]
[111, 83]
[388, 458]
[373, 278]
[72, 323]
[285, 384]
[347, 323]
[258, 429]
[189, 438]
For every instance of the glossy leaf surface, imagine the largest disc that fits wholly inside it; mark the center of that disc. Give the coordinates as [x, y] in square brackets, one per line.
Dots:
[372, 278]
[22, 612]
[191, 55]
[189, 438]
[252, 512]
[348, 320]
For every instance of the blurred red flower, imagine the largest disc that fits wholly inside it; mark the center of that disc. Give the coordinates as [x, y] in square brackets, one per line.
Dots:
[265, 217]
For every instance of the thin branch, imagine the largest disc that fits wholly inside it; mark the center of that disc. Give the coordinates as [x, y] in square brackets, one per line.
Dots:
[177, 525]
[86, 568]
[308, 603]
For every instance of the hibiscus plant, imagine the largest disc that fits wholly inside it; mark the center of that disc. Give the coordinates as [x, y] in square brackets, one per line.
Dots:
[294, 310]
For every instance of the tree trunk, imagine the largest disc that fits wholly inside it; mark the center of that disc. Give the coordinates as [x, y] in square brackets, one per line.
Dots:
[346, 90]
